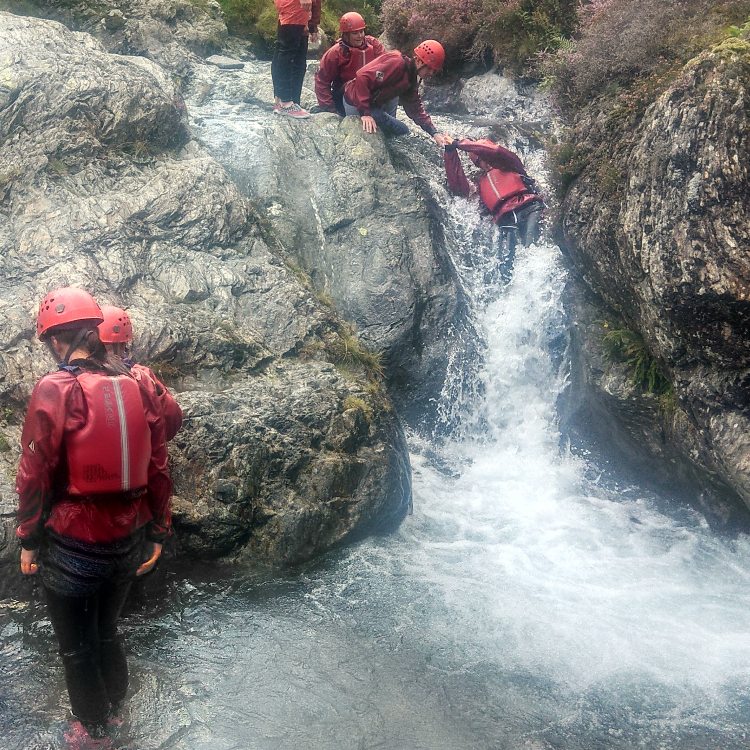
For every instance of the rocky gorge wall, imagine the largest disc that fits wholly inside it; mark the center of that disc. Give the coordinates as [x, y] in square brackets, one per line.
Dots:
[657, 226]
[290, 443]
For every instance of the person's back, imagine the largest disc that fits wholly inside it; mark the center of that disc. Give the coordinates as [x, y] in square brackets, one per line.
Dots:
[116, 333]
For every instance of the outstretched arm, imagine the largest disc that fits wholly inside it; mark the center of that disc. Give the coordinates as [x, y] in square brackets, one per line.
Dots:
[454, 171]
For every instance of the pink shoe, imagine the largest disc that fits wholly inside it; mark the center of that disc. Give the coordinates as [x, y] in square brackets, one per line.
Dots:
[78, 738]
[294, 111]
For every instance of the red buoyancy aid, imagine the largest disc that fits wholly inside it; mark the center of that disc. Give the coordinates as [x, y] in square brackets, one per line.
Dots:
[496, 187]
[112, 452]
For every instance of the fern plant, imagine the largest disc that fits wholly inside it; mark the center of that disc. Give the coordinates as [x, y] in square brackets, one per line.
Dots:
[628, 347]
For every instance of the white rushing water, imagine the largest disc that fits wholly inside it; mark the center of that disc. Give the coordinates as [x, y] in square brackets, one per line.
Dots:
[543, 570]
[524, 604]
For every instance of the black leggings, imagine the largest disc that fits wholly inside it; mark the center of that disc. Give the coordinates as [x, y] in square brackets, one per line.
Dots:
[96, 672]
[289, 62]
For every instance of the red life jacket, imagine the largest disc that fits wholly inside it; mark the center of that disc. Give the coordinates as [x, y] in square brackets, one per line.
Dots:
[497, 187]
[112, 452]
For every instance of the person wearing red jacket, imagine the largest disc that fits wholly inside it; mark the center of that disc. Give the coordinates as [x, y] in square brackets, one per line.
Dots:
[116, 332]
[393, 78]
[298, 20]
[341, 63]
[93, 494]
[504, 187]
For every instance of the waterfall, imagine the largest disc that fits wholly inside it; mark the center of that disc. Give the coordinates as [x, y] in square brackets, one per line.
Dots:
[530, 602]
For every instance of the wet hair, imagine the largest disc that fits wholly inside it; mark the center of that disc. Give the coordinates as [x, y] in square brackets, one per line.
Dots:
[87, 338]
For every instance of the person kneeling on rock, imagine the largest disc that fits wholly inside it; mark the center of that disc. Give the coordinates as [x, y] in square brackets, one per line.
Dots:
[341, 63]
[504, 187]
[93, 503]
[393, 78]
[116, 333]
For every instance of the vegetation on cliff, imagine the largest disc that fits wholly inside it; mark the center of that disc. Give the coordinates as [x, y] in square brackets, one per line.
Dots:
[624, 55]
[257, 18]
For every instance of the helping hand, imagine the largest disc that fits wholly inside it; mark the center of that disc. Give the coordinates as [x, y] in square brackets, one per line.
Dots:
[442, 139]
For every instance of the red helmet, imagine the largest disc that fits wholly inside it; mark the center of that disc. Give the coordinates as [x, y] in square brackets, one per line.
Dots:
[431, 53]
[351, 21]
[67, 307]
[116, 327]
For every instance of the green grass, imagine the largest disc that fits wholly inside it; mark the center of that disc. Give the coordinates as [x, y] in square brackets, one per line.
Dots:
[257, 19]
[645, 371]
[354, 402]
[349, 353]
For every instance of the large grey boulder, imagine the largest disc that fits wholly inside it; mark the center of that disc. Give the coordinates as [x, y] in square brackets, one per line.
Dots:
[355, 211]
[659, 227]
[170, 32]
[101, 186]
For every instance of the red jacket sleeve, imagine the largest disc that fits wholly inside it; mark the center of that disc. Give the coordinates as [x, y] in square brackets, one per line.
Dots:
[361, 94]
[414, 108]
[324, 78]
[496, 156]
[159, 486]
[170, 409]
[454, 171]
[56, 402]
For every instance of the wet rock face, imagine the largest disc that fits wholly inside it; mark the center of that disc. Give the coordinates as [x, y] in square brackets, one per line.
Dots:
[101, 186]
[352, 212]
[287, 454]
[669, 251]
[166, 31]
[642, 434]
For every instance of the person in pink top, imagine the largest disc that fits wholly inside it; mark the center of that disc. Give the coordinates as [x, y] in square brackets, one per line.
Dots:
[298, 22]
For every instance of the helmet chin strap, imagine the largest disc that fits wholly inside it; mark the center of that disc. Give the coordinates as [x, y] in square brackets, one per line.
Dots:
[74, 344]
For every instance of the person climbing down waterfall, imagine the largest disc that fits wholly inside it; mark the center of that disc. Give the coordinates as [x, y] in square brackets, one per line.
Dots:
[93, 495]
[506, 190]
[393, 78]
[116, 333]
[298, 22]
[340, 64]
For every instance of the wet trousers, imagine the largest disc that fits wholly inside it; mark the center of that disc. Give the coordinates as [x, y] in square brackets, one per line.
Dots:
[96, 672]
[86, 586]
[289, 62]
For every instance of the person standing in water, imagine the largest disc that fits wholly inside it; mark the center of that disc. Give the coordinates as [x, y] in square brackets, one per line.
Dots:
[93, 502]
[116, 333]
